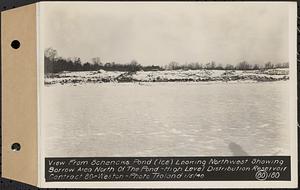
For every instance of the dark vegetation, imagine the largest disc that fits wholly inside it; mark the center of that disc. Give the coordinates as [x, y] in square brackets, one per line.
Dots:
[56, 64]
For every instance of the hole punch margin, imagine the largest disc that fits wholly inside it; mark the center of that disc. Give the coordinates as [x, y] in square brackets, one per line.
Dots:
[15, 44]
[16, 147]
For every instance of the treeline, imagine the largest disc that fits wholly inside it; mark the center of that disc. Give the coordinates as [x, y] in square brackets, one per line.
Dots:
[60, 64]
[213, 66]
[56, 64]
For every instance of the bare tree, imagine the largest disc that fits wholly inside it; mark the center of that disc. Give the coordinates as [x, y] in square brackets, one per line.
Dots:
[207, 65]
[96, 61]
[244, 66]
[173, 65]
[285, 65]
[220, 67]
[51, 54]
[256, 67]
[269, 65]
[213, 65]
[229, 67]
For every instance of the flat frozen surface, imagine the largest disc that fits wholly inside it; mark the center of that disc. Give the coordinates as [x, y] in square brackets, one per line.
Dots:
[166, 119]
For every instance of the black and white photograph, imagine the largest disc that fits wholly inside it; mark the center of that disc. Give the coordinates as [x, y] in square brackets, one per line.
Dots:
[166, 79]
[157, 95]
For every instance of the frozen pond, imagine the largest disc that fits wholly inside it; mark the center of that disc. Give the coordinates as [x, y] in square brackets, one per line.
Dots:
[166, 119]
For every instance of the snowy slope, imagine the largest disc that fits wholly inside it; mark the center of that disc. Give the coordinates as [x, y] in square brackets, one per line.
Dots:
[166, 76]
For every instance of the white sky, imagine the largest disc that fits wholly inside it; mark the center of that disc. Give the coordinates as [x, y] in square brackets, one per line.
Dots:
[157, 33]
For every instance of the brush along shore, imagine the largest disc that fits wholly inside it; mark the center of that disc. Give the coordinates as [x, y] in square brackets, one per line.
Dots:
[102, 76]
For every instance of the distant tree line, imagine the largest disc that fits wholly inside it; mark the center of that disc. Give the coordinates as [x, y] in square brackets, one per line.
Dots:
[56, 64]
[213, 66]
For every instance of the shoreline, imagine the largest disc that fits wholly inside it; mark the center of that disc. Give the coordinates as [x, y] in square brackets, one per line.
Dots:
[182, 76]
[150, 84]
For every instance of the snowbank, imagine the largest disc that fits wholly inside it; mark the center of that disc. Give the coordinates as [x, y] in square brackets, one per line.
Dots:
[166, 76]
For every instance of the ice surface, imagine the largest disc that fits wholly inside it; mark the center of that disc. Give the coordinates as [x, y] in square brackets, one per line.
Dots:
[165, 118]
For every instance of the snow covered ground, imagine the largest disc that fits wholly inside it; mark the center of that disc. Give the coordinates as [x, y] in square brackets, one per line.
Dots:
[101, 76]
[166, 119]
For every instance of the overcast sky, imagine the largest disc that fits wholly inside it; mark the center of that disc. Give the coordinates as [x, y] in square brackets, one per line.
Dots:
[157, 33]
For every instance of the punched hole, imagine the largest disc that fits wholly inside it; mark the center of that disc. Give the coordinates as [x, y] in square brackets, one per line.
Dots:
[15, 44]
[16, 147]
